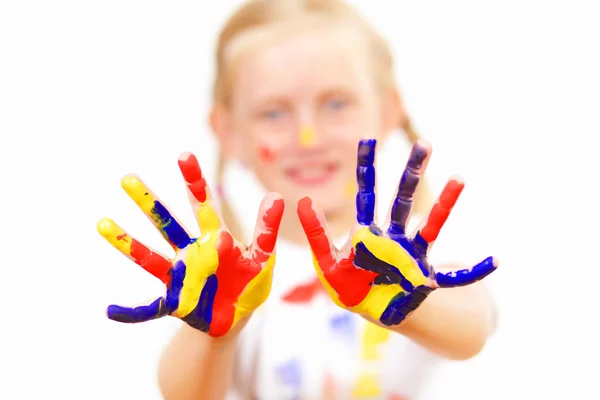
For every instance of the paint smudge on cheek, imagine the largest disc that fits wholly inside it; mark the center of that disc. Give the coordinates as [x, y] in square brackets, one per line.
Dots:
[266, 155]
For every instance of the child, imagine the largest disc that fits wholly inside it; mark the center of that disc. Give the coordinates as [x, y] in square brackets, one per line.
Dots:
[299, 83]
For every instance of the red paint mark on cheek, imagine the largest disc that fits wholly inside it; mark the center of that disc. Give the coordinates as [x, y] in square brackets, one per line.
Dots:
[266, 155]
[233, 274]
[192, 174]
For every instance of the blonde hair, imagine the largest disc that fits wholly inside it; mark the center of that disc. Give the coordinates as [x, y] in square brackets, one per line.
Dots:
[258, 13]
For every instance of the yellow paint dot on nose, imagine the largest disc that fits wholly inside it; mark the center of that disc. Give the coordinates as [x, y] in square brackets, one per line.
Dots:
[307, 137]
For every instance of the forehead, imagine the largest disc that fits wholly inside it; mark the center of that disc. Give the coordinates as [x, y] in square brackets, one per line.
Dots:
[303, 62]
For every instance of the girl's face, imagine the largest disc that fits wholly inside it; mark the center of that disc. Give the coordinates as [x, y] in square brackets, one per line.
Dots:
[298, 110]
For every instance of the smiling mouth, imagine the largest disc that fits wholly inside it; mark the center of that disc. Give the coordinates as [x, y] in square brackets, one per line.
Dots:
[311, 175]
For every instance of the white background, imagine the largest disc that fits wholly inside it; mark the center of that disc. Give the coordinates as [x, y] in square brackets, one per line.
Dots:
[507, 92]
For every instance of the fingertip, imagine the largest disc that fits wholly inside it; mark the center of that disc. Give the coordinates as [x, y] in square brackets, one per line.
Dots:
[129, 181]
[273, 204]
[369, 142]
[185, 156]
[457, 180]
[495, 262]
[274, 196]
[304, 204]
[366, 151]
[424, 144]
[111, 311]
[105, 226]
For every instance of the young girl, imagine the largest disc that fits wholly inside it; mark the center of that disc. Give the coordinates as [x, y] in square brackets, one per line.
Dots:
[299, 84]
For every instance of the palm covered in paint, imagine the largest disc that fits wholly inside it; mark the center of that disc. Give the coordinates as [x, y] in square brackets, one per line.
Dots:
[385, 275]
[213, 282]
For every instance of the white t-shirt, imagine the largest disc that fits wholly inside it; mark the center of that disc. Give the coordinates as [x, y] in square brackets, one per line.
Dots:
[316, 350]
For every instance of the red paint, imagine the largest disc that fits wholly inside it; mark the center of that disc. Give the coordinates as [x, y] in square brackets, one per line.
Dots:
[152, 262]
[190, 169]
[350, 283]
[396, 396]
[266, 240]
[233, 274]
[272, 218]
[266, 155]
[441, 210]
[304, 293]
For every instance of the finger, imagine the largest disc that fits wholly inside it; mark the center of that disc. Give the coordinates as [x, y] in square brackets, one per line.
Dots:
[365, 178]
[154, 209]
[153, 262]
[466, 277]
[270, 213]
[441, 210]
[402, 205]
[205, 210]
[315, 228]
[154, 310]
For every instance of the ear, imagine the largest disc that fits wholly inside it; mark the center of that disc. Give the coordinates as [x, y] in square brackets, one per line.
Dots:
[221, 123]
[393, 112]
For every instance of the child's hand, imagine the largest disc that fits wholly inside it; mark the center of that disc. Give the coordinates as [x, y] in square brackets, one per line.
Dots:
[213, 282]
[384, 275]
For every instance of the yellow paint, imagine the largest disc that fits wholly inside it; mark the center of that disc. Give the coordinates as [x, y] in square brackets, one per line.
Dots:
[207, 218]
[139, 193]
[256, 291]
[308, 137]
[367, 386]
[373, 337]
[202, 260]
[392, 253]
[115, 235]
[377, 300]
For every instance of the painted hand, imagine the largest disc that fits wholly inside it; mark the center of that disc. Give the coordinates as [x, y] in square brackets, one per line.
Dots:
[213, 281]
[385, 275]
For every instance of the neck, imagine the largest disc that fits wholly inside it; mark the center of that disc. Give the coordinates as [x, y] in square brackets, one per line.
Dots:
[339, 223]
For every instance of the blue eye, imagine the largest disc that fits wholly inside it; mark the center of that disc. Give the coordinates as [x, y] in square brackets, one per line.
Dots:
[336, 104]
[273, 114]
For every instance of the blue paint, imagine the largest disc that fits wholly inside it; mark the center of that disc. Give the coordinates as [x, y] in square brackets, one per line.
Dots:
[201, 316]
[173, 232]
[466, 277]
[402, 304]
[290, 373]
[420, 245]
[365, 178]
[343, 327]
[156, 309]
[177, 275]
[406, 190]
[388, 274]
[375, 230]
[414, 247]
